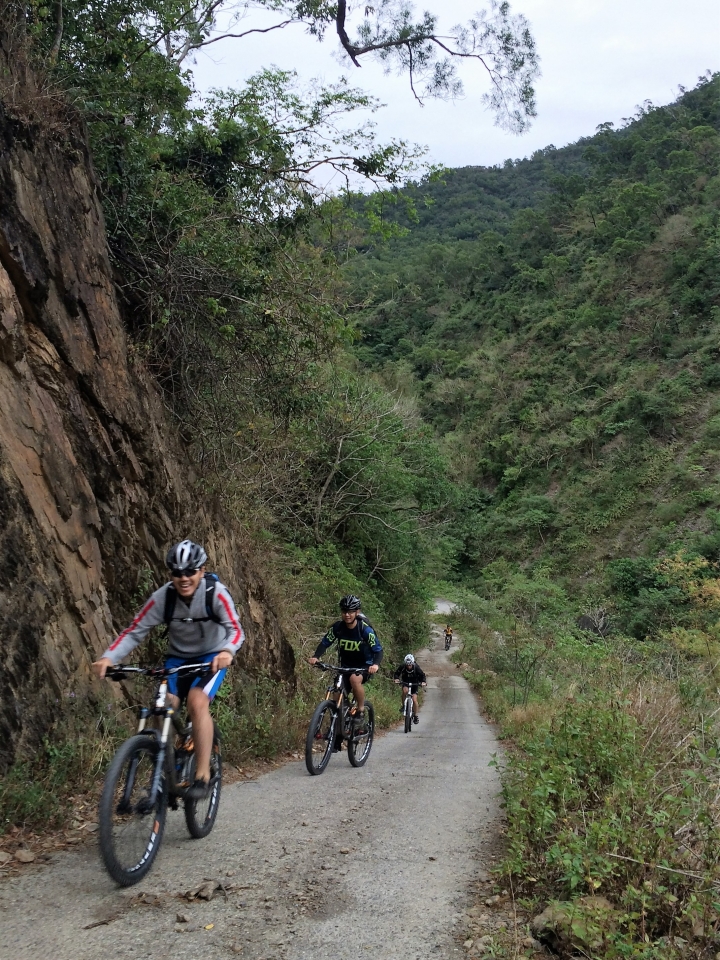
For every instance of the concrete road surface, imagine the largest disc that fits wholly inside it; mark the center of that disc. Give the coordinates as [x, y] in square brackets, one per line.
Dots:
[413, 820]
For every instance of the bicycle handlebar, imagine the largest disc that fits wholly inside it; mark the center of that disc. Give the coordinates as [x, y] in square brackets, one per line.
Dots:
[119, 673]
[331, 666]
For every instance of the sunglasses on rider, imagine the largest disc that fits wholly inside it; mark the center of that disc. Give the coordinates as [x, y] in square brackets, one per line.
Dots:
[188, 572]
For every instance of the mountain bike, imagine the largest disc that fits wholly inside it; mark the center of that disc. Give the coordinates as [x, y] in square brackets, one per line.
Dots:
[448, 640]
[150, 771]
[334, 721]
[408, 703]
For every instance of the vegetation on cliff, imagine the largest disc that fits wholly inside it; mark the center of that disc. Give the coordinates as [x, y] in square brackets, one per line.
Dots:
[237, 311]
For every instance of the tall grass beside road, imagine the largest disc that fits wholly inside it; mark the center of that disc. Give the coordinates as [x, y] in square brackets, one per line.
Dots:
[611, 790]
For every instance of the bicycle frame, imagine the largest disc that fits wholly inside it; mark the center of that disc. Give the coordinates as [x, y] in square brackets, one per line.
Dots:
[165, 763]
[408, 705]
[336, 691]
[324, 737]
[412, 687]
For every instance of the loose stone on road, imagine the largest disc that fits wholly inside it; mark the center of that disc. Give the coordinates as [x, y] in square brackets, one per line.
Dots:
[375, 862]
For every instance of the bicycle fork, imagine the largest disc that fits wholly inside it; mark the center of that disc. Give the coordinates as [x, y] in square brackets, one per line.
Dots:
[148, 803]
[335, 733]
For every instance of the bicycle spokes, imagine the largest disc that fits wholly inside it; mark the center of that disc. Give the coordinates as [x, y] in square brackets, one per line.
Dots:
[131, 819]
[200, 814]
[320, 737]
[361, 740]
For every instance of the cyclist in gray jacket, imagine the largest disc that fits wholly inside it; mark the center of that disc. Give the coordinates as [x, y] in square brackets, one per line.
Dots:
[203, 627]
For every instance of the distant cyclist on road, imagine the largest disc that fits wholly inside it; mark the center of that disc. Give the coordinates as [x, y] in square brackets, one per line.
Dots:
[203, 627]
[448, 634]
[358, 646]
[410, 676]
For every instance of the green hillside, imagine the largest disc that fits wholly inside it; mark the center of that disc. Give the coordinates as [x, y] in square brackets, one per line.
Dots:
[467, 201]
[557, 321]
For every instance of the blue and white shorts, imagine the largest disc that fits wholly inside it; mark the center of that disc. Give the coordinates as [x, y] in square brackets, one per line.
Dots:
[180, 686]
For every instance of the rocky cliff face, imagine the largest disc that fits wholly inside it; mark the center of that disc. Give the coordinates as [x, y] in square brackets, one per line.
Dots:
[93, 482]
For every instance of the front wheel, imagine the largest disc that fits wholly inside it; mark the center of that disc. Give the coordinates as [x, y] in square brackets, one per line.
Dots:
[408, 714]
[320, 736]
[200, 815]
[361, 738]
[130, 829]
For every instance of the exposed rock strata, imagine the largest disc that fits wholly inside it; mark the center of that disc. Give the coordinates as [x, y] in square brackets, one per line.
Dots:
[93, 483]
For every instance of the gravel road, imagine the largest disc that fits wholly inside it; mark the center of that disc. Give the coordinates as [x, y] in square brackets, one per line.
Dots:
[415, 820]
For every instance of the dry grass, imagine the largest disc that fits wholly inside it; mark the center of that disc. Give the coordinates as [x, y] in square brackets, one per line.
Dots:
[523, 720]
[28, 90]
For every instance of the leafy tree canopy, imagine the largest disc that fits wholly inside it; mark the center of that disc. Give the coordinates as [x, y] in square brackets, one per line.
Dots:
[128, 32]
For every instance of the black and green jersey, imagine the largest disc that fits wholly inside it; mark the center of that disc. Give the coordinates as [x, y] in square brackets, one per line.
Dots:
[358, 646]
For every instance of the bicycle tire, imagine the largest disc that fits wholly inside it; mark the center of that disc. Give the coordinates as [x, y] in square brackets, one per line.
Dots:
[408, 714]
[130, 840]
[359, 746]
[200, 815]
[320, 736]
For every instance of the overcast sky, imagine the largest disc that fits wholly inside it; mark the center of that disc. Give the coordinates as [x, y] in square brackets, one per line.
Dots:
[600, 58]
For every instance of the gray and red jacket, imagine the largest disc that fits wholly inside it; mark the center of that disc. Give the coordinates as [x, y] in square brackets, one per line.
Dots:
[190, 632]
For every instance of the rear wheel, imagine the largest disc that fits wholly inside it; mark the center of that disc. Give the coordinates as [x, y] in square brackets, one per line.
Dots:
[408, 714]
[319, 739]
[130, 830]
[361, 737]
[200, 815]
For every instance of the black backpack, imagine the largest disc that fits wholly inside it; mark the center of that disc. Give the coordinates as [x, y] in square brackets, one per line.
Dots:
[363, 620]
[211, 581]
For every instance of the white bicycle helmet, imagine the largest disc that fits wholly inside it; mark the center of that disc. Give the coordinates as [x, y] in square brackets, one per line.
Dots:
[186, 556]
[409, 660]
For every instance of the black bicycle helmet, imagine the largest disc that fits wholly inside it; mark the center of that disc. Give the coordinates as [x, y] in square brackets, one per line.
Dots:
[186, 555]
[350, 602]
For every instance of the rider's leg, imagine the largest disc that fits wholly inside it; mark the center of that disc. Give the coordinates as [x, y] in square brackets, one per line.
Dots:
[198, 704]
[358, 689]
[416, 710]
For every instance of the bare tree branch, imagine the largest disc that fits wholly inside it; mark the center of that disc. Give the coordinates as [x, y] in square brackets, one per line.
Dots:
[55, 49]
[238, 36]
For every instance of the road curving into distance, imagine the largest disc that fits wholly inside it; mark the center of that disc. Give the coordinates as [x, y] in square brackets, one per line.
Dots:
[375, 862]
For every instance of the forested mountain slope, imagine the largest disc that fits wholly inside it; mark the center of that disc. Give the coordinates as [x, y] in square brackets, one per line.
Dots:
[568, 353]
[464, 202]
